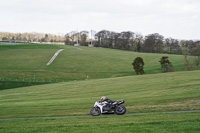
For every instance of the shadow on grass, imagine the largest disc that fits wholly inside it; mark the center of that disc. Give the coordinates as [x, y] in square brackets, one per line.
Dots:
[16, 84]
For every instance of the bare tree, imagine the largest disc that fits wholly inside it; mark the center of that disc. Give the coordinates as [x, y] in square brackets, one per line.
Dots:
[84, 38]
[115, 39]
[103, 39]
[196, 52]
[153, 43]
[70, 38]
[138, 41]
[126, 40]
[172, 46]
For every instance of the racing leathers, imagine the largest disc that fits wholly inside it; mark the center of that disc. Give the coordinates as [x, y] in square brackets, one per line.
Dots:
[108, 104]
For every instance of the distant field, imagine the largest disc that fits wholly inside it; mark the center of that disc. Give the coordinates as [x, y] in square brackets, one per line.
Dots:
[28, 63]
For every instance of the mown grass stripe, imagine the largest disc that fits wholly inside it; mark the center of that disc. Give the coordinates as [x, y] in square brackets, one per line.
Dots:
[58, 117]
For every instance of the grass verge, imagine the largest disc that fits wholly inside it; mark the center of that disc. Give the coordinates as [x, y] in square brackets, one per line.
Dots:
[151, 123]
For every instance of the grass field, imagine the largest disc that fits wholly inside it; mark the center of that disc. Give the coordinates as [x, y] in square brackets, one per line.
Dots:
[110, 73]
[151, 123]
[28, 62]
[145, 93]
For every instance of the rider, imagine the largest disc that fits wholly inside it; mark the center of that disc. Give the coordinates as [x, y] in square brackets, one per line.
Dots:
[109, 102]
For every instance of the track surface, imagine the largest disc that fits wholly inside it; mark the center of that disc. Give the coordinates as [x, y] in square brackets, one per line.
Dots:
[54, 57]
[96, 116]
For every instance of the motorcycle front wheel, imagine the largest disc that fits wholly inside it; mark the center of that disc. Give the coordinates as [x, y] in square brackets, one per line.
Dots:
[120, 110]
[95, 111]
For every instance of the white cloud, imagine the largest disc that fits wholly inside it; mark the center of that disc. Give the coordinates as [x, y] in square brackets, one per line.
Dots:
[176, 18]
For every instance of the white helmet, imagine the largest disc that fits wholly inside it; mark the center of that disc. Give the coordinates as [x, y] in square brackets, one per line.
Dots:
[103, 97]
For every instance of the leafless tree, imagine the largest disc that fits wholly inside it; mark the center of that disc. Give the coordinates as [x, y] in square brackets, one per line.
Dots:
[172, 46]
[153, 43]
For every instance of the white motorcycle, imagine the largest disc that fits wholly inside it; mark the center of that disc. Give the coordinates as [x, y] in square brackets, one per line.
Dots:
[104, 108]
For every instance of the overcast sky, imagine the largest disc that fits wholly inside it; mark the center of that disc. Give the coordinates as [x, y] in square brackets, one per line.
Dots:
[178, 19]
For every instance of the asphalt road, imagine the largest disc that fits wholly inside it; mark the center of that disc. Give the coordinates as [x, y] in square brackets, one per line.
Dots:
[54, 57]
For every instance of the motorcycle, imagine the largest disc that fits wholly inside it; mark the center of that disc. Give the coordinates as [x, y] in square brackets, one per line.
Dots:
[105, 108]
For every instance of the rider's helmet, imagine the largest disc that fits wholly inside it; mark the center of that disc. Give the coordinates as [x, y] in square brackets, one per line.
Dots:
[103, 98]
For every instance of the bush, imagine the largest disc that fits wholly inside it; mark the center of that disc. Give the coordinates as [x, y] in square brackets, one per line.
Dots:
[166, 64]
[138, 64]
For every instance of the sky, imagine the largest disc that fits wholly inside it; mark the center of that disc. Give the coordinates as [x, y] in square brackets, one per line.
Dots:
[179, 19]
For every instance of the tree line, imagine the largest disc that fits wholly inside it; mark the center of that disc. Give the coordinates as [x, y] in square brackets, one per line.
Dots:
[128, 40]
[30, 37]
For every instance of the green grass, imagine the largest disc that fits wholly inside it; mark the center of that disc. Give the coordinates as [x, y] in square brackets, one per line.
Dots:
[110, 73]
[15, 84]
[145, 93]
[28, 62]
[151, 123]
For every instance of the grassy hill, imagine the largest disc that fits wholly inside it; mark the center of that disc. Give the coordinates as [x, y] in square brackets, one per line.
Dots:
[146, 93]
[28, 62]
[110, 73]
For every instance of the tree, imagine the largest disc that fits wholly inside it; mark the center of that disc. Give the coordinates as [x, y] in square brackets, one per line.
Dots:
[13, 38]
[153, 43]
[189, 44]
[126, 39]
[4, 39]
[83, 38]
[67, 39]
[172, 46]
[19, 37]
[70, 38]
[138, 41]
[32, 37]
[138, 64]
[138, 46]
[46, 38]
[166, 64]
[191, 53]
[103, 39]
[115, 39]
[196, 52]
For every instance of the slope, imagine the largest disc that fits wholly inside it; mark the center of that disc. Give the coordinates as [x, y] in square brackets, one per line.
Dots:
[28, 63]
[146, 93]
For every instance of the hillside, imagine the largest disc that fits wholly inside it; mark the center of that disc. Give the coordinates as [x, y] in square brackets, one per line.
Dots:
[110, 73]
[146, 93]
[28, 63]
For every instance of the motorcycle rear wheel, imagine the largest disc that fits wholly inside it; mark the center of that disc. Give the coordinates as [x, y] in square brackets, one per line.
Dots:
[95, 111]
[120, 110]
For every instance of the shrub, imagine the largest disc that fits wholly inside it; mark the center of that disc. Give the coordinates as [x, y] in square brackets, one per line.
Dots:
[138, 64]
[166, 64]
